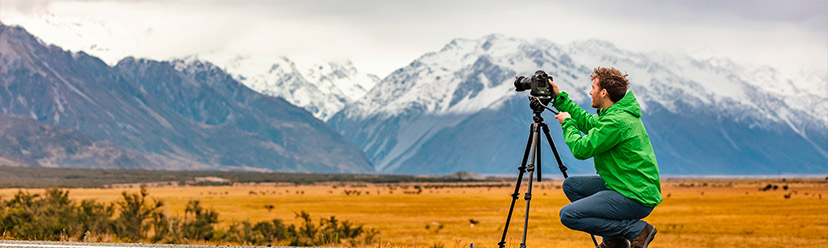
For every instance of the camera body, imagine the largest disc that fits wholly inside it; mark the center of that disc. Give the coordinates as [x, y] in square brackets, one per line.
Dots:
[539, 88]
[537, 84]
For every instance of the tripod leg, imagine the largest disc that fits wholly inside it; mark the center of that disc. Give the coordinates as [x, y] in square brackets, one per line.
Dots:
[531, 169]
[538, 163]
[522, 169]
[560, 163]
[554, 150]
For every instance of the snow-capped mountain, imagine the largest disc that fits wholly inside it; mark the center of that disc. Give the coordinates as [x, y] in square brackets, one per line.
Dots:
[322, 89]
[182, 114]
[456, 110]
[450, 110]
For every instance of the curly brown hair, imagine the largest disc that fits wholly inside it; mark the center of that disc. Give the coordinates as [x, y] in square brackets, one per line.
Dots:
[613, 81]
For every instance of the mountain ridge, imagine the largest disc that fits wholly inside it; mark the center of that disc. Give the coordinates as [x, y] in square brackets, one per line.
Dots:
[467, 77]
[424, 116]
[178, 114]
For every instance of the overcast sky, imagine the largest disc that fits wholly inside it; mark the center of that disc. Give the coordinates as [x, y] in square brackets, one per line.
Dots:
[380, 36]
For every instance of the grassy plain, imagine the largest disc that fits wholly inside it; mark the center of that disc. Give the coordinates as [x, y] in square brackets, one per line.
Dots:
[695, 212]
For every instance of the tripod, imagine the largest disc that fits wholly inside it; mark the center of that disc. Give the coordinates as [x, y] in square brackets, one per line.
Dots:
[533, 147]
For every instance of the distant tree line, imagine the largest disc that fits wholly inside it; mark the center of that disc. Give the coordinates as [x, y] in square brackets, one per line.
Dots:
[135, 218]
[41, 177]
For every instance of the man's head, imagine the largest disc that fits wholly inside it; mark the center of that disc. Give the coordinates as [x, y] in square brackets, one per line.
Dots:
[608, 87]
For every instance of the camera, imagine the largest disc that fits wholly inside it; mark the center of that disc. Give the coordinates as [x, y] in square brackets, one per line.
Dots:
[540, 90]
[537, 83]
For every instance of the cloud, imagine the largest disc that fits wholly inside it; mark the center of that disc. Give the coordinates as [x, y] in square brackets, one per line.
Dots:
[24, 6]
[380, 36]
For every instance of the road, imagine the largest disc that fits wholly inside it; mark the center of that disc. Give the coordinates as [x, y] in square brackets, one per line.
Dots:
[51, 244]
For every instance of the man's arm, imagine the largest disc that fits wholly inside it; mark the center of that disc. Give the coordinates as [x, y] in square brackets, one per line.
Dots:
[583, 120]
[605, 135]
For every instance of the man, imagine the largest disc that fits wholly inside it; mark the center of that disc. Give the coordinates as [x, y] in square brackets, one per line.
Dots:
[627, 186]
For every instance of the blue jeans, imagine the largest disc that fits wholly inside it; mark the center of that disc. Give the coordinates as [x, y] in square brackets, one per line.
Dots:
[601, 211]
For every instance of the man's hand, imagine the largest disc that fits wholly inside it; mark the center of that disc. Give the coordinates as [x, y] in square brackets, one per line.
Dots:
[562, 116]
[554, 87]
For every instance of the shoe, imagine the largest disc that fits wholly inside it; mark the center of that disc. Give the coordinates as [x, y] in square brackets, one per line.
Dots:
[614, 243]
[645, 237]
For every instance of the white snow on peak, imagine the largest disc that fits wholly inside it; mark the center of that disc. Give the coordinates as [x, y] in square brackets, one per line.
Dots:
[190, 64]
[342, 75]
[322, 89]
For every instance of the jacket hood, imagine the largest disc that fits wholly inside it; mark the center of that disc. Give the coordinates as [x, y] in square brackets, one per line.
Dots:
[627, 104]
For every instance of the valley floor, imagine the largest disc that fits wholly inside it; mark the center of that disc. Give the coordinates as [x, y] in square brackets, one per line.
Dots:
[694, 213]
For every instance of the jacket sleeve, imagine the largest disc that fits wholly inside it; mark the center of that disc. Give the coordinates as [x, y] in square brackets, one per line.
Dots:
[583, 120]
[605, 135]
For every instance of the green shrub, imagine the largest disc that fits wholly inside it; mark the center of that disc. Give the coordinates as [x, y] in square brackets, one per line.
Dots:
[53, 216]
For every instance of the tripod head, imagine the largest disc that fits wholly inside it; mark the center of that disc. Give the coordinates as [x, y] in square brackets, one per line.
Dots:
[538, 104]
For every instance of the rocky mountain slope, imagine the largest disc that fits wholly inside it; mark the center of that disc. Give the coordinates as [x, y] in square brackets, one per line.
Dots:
[178, 114]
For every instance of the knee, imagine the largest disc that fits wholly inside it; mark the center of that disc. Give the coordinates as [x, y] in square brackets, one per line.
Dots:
[569, 216]
[568, 185]
[569, 188]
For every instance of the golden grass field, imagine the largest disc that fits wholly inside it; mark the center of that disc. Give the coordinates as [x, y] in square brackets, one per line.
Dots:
[695, 212]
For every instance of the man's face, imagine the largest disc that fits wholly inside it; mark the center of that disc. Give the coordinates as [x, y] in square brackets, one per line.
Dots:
[595, 93]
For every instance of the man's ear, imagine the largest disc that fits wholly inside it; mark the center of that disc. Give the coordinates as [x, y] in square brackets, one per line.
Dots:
[604, 92]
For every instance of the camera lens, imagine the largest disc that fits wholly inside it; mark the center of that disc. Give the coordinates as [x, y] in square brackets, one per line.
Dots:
[522, 83]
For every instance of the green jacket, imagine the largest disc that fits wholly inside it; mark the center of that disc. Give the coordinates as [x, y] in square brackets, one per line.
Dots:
[616, 138]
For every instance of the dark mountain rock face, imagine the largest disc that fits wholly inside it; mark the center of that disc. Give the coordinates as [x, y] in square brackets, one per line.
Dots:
[179, 115]
[26, 142]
